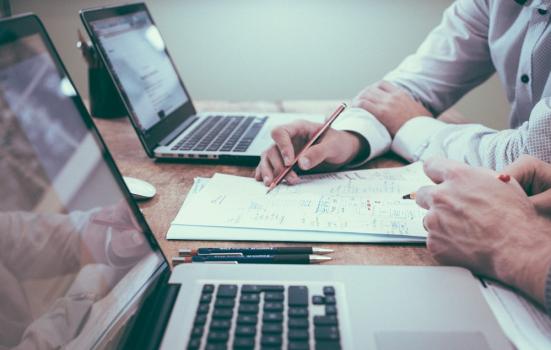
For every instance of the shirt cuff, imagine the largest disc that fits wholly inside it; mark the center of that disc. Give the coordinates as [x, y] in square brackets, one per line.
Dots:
[414, 137]
[367, 126]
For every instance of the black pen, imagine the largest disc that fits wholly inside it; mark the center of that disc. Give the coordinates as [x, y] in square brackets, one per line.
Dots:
[254, 251]
[253, 259]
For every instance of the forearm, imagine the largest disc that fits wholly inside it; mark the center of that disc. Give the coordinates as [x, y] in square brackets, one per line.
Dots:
[474, 144]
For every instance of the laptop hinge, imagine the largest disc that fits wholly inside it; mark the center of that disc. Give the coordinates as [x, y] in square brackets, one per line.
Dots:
[176, 132]
[152, 319]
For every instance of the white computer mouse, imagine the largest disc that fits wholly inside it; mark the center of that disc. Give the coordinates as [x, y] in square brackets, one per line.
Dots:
[139, 189]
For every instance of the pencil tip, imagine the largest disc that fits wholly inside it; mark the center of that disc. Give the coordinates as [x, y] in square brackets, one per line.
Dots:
[407, 196]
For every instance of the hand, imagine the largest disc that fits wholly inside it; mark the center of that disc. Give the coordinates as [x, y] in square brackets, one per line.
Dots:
[534, 176]
[491, 227]
[391, 105]
[335, 149]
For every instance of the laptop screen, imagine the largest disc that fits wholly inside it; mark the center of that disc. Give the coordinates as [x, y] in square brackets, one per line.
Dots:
[73, 253]
[137, 55]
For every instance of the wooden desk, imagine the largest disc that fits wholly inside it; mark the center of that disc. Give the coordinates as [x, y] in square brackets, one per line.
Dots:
[173, 180]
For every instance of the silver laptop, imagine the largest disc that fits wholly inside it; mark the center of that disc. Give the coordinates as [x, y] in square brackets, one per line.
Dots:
[159, 105]
[81, 269]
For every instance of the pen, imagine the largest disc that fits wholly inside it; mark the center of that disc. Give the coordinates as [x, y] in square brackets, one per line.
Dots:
[314, 138]
[505, 178]
[253, 251]
[253, 259]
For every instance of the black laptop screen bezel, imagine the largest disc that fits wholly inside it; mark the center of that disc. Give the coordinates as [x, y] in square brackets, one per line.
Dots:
[17, 27]
[151, 138]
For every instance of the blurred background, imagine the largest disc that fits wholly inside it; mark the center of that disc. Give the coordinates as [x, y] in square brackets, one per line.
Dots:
[244, 50]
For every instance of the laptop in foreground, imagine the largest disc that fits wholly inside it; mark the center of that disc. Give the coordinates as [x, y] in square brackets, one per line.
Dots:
[157, 101]
[80, 268]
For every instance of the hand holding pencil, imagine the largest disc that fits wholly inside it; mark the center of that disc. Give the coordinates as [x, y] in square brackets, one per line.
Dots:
[332, 150]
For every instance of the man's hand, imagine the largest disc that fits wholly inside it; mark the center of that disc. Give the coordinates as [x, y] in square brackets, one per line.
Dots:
[391, 105]
[534, 176]
[491, 227]
[335, 149]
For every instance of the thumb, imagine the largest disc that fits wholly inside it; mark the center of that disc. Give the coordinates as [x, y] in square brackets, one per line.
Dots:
[314, 156]
[542, 202]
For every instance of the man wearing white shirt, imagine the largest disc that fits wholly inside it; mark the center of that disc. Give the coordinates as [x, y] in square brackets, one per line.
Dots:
[475, 39]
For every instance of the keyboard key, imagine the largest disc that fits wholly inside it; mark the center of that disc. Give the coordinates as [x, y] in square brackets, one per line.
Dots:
[298, 296]
[217, 337]
[318, 300]
[247, 319]
[205, 298]
[194, 343]
[224, 303]
[273, 296]
[197, 332]
[250, 298]
[273, 317]
[272, 328]
[243, 343]
[200, 320]
[298, 323]
[248, 309]
[328, 290]
[298, 345]
[326, 333]
[297, 312]
[297, 334]
[325, 321]
[216, 346]
[270, 340]
[330, 300]
[271, 306]
[203, 309]
[220, 325]
[328, 345]
[330, 310]
[245, 331]
[227, 291]
[251, 288]
[222, 314]
[208, 288]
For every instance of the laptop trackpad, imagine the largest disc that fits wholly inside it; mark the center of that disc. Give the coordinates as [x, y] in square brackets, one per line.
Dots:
[430, 340]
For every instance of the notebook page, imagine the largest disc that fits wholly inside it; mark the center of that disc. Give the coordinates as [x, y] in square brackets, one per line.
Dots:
[366, 201]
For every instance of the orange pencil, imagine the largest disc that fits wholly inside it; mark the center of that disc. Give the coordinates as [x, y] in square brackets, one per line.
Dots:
[315, 138]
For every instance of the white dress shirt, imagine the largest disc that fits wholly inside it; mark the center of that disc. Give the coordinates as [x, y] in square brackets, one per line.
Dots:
[475, 39]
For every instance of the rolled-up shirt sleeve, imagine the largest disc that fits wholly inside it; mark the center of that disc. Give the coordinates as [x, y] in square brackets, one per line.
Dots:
[475, 144]
[453, 59]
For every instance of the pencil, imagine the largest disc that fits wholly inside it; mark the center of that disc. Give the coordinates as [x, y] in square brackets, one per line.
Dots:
[505, 178]
[314, 138]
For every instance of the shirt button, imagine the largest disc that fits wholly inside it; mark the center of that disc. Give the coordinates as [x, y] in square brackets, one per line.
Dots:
[542, 12]
[525, 78]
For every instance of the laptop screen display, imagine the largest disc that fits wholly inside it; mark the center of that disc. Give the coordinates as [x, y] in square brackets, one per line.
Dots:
[72, 254]
[137, 55]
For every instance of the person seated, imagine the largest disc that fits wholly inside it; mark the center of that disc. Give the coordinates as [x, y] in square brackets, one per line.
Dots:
[497, 229]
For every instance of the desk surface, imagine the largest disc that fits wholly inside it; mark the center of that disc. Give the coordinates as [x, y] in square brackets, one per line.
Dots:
[173, 181]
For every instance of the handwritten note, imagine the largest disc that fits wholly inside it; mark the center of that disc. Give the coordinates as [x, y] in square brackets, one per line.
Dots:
[361, 202]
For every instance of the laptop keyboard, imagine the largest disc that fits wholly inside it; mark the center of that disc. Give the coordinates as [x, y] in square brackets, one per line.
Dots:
[265, 317]
[222, 133]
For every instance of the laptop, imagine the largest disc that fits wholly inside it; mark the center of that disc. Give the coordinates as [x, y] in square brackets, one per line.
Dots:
[81, 269]
[160, 108]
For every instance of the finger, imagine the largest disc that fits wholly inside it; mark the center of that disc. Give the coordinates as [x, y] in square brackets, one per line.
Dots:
[542, 202]
[439, 169]
[266, 171]
[284, 135]
[275, 160]
[369, 106]
[257, 175]
[315, 155]
[423, 196]
[533, 175]
[387, 86]
[292, 178]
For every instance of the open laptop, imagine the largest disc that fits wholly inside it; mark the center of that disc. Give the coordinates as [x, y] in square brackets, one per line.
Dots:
[80, 268]
[157, 101]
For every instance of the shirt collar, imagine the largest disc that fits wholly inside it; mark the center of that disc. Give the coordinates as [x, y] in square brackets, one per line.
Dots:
[536, 4]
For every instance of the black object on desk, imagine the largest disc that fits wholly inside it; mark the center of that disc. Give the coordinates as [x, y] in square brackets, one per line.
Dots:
[105, 101]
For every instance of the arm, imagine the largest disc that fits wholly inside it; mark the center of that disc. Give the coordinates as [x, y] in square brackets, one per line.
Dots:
[422, 138]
